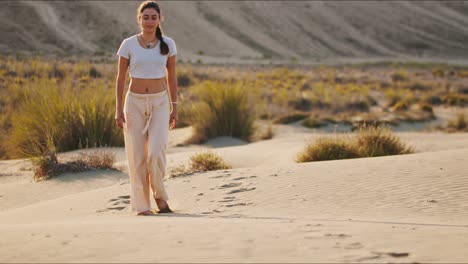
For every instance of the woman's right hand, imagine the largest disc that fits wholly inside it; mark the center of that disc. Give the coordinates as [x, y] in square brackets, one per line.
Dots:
[120, 119]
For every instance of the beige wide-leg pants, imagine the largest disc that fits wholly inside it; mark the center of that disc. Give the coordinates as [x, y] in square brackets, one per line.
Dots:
[146, 135]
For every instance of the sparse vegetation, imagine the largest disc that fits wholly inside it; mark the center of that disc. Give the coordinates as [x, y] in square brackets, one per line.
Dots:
[458, 124]
[200, 162]
[377, 141]
[73, 101]
[222, 109]
[267, 133]
[208, 161]
[328, 148]
[46, 164]
[368, 141]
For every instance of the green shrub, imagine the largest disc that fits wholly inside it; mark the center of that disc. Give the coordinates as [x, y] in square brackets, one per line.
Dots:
[223, 109]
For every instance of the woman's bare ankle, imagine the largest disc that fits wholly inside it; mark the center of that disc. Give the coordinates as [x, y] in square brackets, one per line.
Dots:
[161, 203]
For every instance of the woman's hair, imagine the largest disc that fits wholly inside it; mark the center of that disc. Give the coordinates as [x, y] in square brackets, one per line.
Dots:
[164, 48]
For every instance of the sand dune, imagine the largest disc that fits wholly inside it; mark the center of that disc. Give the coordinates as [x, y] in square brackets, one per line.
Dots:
[248, 31]
[407, 208]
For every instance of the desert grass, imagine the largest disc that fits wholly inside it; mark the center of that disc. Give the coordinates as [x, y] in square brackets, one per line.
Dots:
[268, 133]
[71, 103]
[208, 161]
[458, 124]
[222, 109]
[70, 118]
[73, 100]
[46, 165]
[372, 141]
[201, 162]
[264, 130]
[328, 148]
[368, 141]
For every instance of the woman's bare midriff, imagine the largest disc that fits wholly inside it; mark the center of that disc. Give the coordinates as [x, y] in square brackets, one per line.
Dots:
[147, 86]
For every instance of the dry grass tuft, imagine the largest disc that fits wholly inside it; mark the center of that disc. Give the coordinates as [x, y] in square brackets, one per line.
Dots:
[223, 109]
[200, 162]
[328, 148]
[458, 124]
[374, 141]
[369, 141]
[208, 161]
[47, 165]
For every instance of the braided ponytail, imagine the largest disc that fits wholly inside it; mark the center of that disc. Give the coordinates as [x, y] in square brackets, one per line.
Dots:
[164, 48]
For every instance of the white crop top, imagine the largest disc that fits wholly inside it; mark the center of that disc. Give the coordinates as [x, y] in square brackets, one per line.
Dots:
[146, 63]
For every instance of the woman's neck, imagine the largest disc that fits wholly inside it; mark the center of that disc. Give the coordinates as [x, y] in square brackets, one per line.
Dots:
[148, 36]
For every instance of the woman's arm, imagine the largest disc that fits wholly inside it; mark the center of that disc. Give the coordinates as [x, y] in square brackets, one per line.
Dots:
[172, 82]
[119, 90]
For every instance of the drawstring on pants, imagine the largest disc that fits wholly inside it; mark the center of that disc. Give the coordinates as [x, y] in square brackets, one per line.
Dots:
[149, 108]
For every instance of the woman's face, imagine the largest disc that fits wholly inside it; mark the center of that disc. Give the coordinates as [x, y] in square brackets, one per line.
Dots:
[149, 20]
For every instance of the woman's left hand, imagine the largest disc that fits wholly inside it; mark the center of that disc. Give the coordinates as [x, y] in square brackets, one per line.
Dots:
[173, 118]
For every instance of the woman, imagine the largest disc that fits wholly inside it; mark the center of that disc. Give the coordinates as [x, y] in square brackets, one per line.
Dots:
[149, 110]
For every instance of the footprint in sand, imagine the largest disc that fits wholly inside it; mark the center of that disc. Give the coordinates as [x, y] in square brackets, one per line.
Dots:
[230, 185]
[117, 204]
[226, 174]
[119, 208]
[337, 235]
[211, 212]
[241, 190]
[227, 199]
[237, 204]
[355, 245]
[377, 255]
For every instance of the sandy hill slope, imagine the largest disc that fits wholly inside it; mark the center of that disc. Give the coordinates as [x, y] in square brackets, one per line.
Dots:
[247, 30]
[407, 208]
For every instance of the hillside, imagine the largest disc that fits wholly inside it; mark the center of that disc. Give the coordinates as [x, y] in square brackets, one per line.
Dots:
[246, 30]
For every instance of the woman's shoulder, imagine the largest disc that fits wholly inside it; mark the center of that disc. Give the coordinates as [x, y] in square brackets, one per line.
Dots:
[168, 39]
[129, 39]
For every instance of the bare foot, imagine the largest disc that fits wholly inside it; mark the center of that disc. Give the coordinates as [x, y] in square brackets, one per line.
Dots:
[148, 212]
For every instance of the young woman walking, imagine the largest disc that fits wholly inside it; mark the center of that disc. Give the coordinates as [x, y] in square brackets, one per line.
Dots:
[150, 107]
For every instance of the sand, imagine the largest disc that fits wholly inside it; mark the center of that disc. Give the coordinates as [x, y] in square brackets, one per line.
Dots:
[406, 208]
